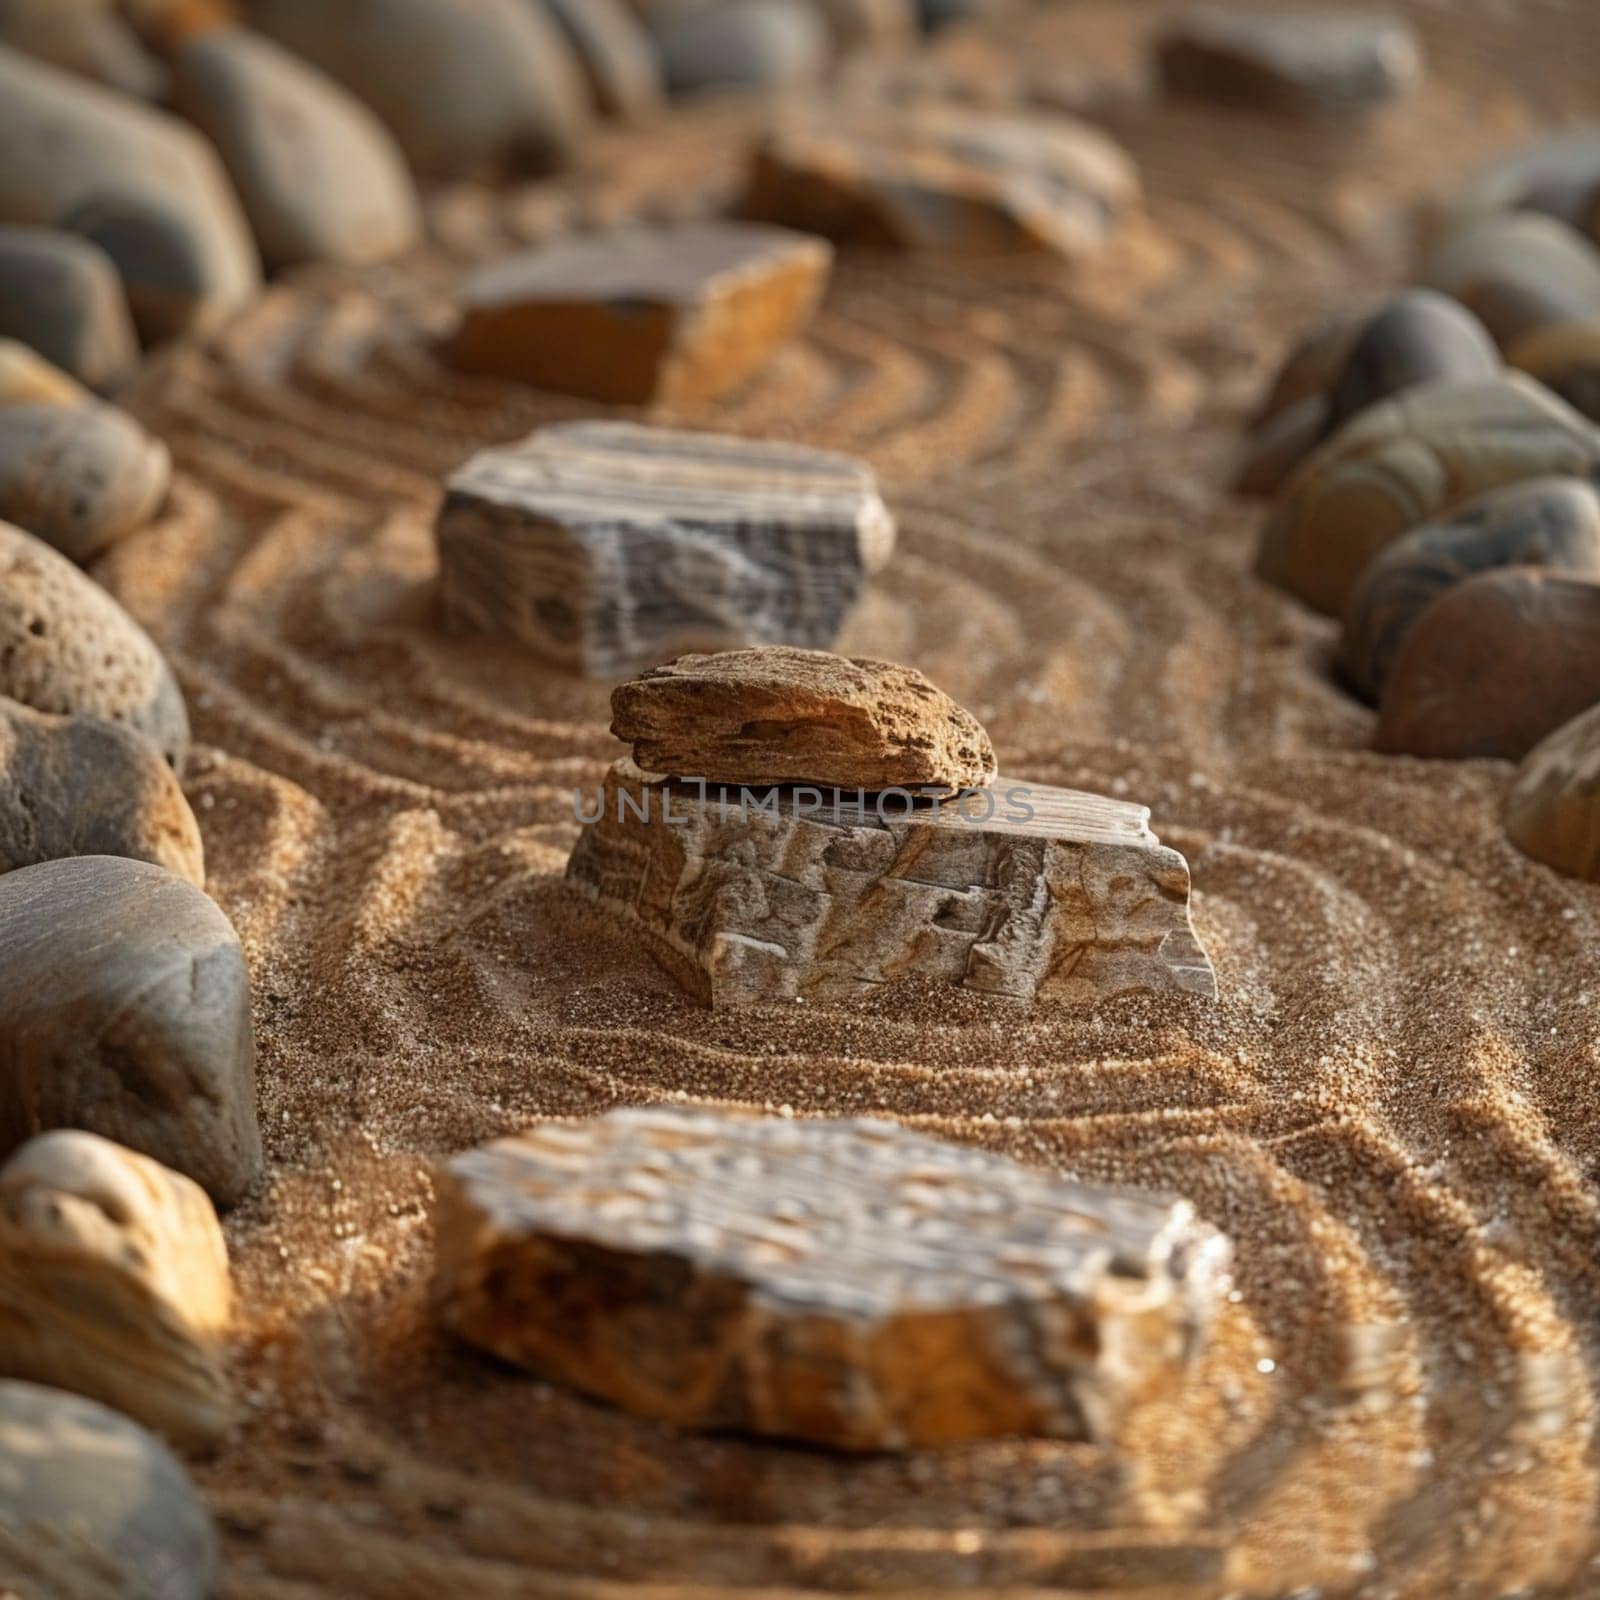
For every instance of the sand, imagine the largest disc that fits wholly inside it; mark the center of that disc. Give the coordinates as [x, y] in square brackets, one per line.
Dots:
[1391, 1109]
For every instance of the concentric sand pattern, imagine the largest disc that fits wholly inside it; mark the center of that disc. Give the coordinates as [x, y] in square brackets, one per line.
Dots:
[1391, 1109]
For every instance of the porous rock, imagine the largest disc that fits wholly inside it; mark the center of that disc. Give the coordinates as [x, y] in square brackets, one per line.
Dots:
[758, 897]
[67, 647]
[464, 88]
[60, 294]
[1494, 665]
[669, 316]
[607, 547]
[1553, 809]
[781, 715]
[943, 178]
[845, 1282]
[141, 184]
[114, 1284]
[1407, 461]
[77, 786]
[125, 1011]
[319, 176]
[93, 1506]
[1286, 59]
[615, 53]
[740, 44]
[1544, 522]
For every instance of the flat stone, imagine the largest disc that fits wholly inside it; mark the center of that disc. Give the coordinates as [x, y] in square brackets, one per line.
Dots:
[616, 55]
[665, 316]
[486, 87]
[61, 295]
[745, 44]
[79, 476]
[943, 178]
[761, 897]
[1544, 522]
[87, 37]
[1407, 461]
[782, 715]
[125, 1011]
[1494, 665]
[1287, 60]
[607, 547]
[319, 176]
[93, 1505]
[146, 188]
[76, 786]
[114, 1285]
[68, 648]
[1553, 809]
[1518, 272]
[845, 1282]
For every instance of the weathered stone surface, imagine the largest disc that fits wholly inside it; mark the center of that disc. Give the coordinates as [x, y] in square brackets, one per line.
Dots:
[1545, 522]
[1407, 461]
[147, 189]
[114, 1284]
[781, 715]
[93, 1507]
[846, 1282]
[76, 786]
[669, 316]
[472, 87]
[61, 295]
[742, 44]
[1518, 272]
[1494, 665]
[67, 647]
[941, 177]
[1288, 59]
[319, 176]
[606, 547]
[1553, 809]
[125, 1011]
[87, 37]
[80, 477]
[615, 53]
[1029, 893]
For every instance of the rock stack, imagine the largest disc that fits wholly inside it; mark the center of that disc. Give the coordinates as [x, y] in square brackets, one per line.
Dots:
[795, 825]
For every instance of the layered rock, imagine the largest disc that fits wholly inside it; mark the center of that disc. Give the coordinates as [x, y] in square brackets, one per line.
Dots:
[800, 716]
[1407, 461]
[61, 295]
[92, 1505]
[645, 316]
[125, 1011]
[848, 1283]
[765, 896]
[1553, 809]
[943, 178]
[114, 1284]
[607, 547]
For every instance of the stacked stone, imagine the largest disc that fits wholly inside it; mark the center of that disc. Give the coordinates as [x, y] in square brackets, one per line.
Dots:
[1435, 467]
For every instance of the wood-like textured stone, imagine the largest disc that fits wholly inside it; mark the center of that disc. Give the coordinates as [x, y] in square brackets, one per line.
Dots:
[1493, 666]
[1545, 522]
[114, 1284]
[1031, 893]
[1408, 461]
[608, 547]
[778, 715]
[668, 316]
[125, 1011]
[848, 1283]
[1553, 809]
[943, 178]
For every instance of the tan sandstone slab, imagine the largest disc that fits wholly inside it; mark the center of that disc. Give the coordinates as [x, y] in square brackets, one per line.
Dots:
[848, 1282]
[643, 316]
[778, 715]
[943, 178]
[757, 897]
[606, 547]
[114, 1284]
